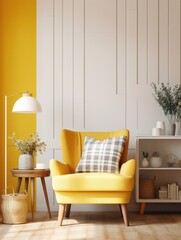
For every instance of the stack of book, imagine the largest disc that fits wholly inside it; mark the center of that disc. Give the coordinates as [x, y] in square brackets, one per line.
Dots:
[163, 192]
[171, 191]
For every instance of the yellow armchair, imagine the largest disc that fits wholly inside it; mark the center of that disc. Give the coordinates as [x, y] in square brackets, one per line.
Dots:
[94, 187]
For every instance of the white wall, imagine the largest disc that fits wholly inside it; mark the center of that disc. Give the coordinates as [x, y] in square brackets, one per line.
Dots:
[95, 62]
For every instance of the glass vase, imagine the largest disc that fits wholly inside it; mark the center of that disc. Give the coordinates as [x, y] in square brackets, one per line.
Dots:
[171, 129]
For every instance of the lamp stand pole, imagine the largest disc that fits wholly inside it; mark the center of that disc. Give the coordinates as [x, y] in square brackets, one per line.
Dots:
[6, 141]
[5, 144]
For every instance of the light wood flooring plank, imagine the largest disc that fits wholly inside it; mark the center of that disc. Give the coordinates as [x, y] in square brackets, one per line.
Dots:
[96, 225]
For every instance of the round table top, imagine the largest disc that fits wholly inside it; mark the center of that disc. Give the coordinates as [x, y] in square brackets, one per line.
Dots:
[30, 173]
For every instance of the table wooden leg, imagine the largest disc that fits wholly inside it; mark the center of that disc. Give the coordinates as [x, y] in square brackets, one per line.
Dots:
[18, 184]
[26, 184]
[32, 198]
[46, 195]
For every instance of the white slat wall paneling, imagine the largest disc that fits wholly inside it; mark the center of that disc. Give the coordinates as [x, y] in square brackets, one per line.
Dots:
[174, 41]
[95, 62]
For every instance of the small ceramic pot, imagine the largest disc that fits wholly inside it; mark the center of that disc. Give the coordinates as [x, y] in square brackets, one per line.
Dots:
[155, 162]
[26, 161]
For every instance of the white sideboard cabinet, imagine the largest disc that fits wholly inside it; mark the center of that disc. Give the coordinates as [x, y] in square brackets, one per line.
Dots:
[164, 180]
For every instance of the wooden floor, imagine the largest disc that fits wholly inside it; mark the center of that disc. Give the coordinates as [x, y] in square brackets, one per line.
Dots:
[97, 226]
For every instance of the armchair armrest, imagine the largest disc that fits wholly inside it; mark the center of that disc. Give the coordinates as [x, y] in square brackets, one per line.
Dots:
[128, 168]
[58, 168]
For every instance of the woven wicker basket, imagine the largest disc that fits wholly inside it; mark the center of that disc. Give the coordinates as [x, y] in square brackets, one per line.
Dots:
[14, 208]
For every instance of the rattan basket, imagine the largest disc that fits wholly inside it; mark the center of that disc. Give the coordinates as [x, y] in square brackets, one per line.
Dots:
[14, 208]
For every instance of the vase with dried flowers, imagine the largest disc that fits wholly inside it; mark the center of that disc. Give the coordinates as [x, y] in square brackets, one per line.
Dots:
[28, 148]
[169, 98]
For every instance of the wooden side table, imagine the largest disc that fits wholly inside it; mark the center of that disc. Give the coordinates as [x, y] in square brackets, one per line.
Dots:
[31, 175]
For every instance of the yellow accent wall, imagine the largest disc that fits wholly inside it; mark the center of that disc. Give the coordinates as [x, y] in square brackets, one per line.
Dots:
[17, 72]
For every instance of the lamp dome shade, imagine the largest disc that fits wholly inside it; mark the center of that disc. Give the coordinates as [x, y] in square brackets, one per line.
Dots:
[27, 104]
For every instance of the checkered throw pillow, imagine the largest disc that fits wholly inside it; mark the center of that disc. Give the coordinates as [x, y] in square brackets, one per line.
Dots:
[101, 156]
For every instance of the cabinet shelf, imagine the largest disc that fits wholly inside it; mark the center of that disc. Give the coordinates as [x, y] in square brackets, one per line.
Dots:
[164, 176]
[157, 200]
[160, 169]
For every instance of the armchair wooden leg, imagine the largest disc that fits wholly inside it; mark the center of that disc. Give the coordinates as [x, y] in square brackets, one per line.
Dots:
[125, 214]
[120, 209]
[61, 213]
[68, 207]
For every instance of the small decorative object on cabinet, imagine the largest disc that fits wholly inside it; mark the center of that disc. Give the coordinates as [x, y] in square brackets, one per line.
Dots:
[167, 183]
[155, 160]
[171, 159]
[161, 125]
[145, 162]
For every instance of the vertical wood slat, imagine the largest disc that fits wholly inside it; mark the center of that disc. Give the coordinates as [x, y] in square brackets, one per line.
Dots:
[163, 41]
[121, 57]
[174, 41]
[131, 67]
[58, 67]
[79, 64]
[142, 41]
[153, 41]
[68, 64]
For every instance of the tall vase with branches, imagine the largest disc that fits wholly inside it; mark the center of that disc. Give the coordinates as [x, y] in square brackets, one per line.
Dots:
[169, 98]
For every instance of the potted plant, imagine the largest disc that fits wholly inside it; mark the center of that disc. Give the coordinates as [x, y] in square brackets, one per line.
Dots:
[28, 148]
[170, 101]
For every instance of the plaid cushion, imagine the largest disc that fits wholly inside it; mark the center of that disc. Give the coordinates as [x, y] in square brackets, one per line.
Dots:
[101, 156]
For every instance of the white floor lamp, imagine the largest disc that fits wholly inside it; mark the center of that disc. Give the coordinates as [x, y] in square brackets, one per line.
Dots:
[25, 104]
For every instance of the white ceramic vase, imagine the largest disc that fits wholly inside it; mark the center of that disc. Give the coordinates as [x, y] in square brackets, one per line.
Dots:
[145, 163]
[26, 161]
